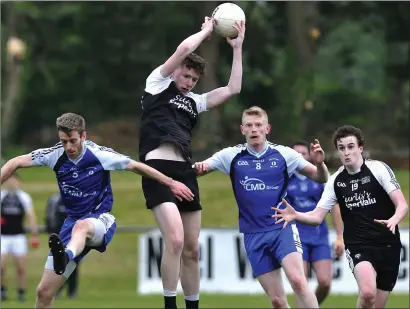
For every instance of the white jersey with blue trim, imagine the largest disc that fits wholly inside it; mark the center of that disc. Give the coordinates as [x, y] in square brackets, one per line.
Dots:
[84, 183]
[259, 181]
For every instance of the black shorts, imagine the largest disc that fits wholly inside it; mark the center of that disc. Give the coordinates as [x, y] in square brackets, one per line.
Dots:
[156, 193]
[385, 261]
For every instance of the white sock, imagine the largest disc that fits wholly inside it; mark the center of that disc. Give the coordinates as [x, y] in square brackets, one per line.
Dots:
[192, 297]
[169, 293]
[72, 250]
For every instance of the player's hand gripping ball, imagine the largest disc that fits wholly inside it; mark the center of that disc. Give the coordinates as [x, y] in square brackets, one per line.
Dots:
[226, 15]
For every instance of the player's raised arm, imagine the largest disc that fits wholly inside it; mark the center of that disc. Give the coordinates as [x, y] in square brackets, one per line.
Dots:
[14, 164]
[317, 171]
[186, 47]
[222, 94]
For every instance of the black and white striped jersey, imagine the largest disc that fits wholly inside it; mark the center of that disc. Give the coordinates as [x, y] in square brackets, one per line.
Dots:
[364, 197]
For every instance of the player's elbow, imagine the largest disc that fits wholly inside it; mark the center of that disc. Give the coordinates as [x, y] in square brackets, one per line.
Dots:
[321, 178]
[234, 89]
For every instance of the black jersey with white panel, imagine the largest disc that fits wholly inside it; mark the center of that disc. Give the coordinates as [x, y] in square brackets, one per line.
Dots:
[14, 206]
[364, 197]
[168, 115]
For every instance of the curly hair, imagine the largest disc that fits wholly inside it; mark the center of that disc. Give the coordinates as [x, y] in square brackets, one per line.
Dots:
[195, 62]
[348, 130]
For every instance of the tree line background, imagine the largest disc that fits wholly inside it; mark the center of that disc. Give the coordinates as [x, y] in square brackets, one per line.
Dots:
[312, 65]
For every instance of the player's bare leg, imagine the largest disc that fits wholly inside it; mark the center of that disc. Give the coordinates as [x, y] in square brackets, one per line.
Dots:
[170, 224]
[306, 265]
[3, 277]
[48, 287]
[272, 284]
[293, 266]
[21, 262]
[381, 298]
[83, 231]
[366, 279]
[324, 274]
[190, 271]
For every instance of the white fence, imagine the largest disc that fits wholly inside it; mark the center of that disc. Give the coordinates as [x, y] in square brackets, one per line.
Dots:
[226, 269]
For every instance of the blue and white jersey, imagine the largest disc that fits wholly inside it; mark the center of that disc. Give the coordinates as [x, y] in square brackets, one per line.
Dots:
[259, 181]
[303, 195]
[84, 183]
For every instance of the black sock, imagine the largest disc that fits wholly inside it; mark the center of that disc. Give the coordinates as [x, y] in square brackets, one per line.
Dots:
[21, 293]
[3, 292]
[192, 304]
[170, 302]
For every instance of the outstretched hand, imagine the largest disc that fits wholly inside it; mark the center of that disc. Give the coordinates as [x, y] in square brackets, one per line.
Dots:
[390, 224]
[201, 168]
[237, 42]
[316, 152]
[287, 214]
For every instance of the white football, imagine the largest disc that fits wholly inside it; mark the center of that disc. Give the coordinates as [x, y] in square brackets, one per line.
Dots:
[226, 14]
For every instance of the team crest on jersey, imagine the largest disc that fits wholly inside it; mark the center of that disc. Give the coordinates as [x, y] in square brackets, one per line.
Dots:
[365, 179]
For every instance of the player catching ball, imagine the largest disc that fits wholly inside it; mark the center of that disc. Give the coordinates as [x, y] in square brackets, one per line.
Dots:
[170, 111]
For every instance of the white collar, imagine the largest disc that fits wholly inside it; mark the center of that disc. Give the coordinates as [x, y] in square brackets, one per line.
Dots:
[78, 159]
[260, 153]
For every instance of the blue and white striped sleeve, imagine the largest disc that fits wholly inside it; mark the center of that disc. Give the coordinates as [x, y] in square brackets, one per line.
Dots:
[110, 159]
[294, 160]
[47, 156]
[222, 159]
[384, 175]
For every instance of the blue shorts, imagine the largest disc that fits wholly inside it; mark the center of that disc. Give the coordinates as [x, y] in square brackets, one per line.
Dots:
[266, 250]
[317, 252]
[104, 231]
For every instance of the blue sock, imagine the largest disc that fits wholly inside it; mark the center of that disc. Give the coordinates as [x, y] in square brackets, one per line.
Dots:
[69, 254]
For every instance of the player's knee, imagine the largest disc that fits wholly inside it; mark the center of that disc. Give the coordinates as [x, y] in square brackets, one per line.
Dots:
[191, 251]
[82, 226]
[44, 294]
[324, 283]
[278, 301]
[298, 283]
[21, 271]
[175, 243]
[368, 294]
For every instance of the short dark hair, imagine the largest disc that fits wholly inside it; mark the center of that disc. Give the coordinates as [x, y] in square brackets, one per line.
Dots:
[348, 130]
[195, 62]
[300, 143]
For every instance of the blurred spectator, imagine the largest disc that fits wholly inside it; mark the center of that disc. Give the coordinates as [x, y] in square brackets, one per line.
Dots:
[15, 205]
